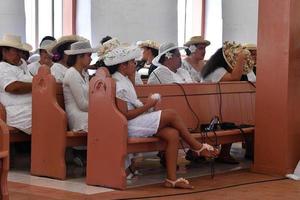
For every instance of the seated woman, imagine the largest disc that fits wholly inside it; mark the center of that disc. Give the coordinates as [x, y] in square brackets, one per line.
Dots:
[165, 124]
[226, 64]
[60, 65]
[76, 85]
[195, 52]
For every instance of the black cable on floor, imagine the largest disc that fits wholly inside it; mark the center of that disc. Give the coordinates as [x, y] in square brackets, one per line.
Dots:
[207, 190]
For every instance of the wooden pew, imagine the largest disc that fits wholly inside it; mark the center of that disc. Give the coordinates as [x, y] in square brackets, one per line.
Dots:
[108, 143]
[4, 159]
[50, 135]
[15, 134]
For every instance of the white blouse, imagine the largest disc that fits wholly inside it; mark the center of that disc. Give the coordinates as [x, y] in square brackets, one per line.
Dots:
[76, 89]
[195, 75]
[163, 75]
[58, 71]
[18, 106]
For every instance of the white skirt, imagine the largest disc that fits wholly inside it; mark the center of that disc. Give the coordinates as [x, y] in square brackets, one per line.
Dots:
[144, 125]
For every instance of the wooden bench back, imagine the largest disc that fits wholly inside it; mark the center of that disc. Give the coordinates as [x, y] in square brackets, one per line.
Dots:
[49, 125]
[231, 101]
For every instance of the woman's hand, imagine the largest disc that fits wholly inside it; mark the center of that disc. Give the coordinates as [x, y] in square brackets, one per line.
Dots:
[151, 102]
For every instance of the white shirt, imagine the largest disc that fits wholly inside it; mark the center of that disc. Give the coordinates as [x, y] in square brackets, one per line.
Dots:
[215, 76]
[76, 99]
[163, 75]
[34, 67]
[58, 71]
[195, 75]
[18, 106]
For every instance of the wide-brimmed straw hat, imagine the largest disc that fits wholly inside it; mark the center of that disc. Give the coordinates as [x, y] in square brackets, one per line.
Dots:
[46, 45]
[148, 43]
[63, 40]
[108, 46]
[163, 49]
[80, 47]
[230, 52]
[121, 54]
[14, 41]
[196, 40]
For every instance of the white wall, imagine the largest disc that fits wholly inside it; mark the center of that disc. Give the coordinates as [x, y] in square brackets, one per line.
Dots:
[133, 20]
[12, 17]
[240, 19]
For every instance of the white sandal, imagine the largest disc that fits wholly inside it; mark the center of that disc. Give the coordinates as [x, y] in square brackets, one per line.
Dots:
[179, 180]
[205, 146]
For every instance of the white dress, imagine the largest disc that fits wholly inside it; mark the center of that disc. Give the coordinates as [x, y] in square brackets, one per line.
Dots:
[18, 106]
[195, 75]
[163, 75]
[76, 99]
[144, 125]
[58, 71]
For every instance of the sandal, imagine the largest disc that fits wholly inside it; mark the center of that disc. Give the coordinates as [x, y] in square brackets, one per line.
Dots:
[178, 183]
[209, 148]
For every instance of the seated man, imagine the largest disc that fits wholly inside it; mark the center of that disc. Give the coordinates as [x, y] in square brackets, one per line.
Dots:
[168, 63]
[15, 84]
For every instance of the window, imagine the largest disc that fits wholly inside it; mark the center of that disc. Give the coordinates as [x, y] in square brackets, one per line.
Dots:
[43, 17]
[189, 19]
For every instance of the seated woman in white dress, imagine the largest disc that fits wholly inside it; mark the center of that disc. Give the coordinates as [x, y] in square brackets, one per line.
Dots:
[76, 85]
[142, 122]
[195, 52]
[60, 65]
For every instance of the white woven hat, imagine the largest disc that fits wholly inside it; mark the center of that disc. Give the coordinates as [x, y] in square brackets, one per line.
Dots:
[148, 43]
[46, 45]
[80, 47]
[163, 49]
[14, 41]
[108, 46]
[121, 54]
[65, 39]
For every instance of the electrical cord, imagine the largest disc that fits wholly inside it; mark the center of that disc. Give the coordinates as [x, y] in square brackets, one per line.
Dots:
[197, 128]
[206, 190]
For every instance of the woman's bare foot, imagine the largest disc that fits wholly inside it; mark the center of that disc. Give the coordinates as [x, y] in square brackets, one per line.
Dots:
[207, 151]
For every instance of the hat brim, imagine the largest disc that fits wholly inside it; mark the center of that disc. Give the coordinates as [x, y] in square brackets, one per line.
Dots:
[155, 61]
[80, 51]
[13, 45]
[134, 54]
[64, 40]
[189, 43]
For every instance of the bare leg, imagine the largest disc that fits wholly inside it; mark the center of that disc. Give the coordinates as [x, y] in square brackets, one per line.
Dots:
[171, 137]
[172, 119]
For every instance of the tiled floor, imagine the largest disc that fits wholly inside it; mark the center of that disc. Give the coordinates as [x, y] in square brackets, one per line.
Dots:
[150, 168]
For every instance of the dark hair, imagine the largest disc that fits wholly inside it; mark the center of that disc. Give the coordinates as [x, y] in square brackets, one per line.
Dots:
[163, 57]
[26, 55]
[105, 39]
[112, 69]
[216, 61]
[47, 38]
[154, 51]
[59, 53]
[73, 58]
[188, 52]
[99, 63]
